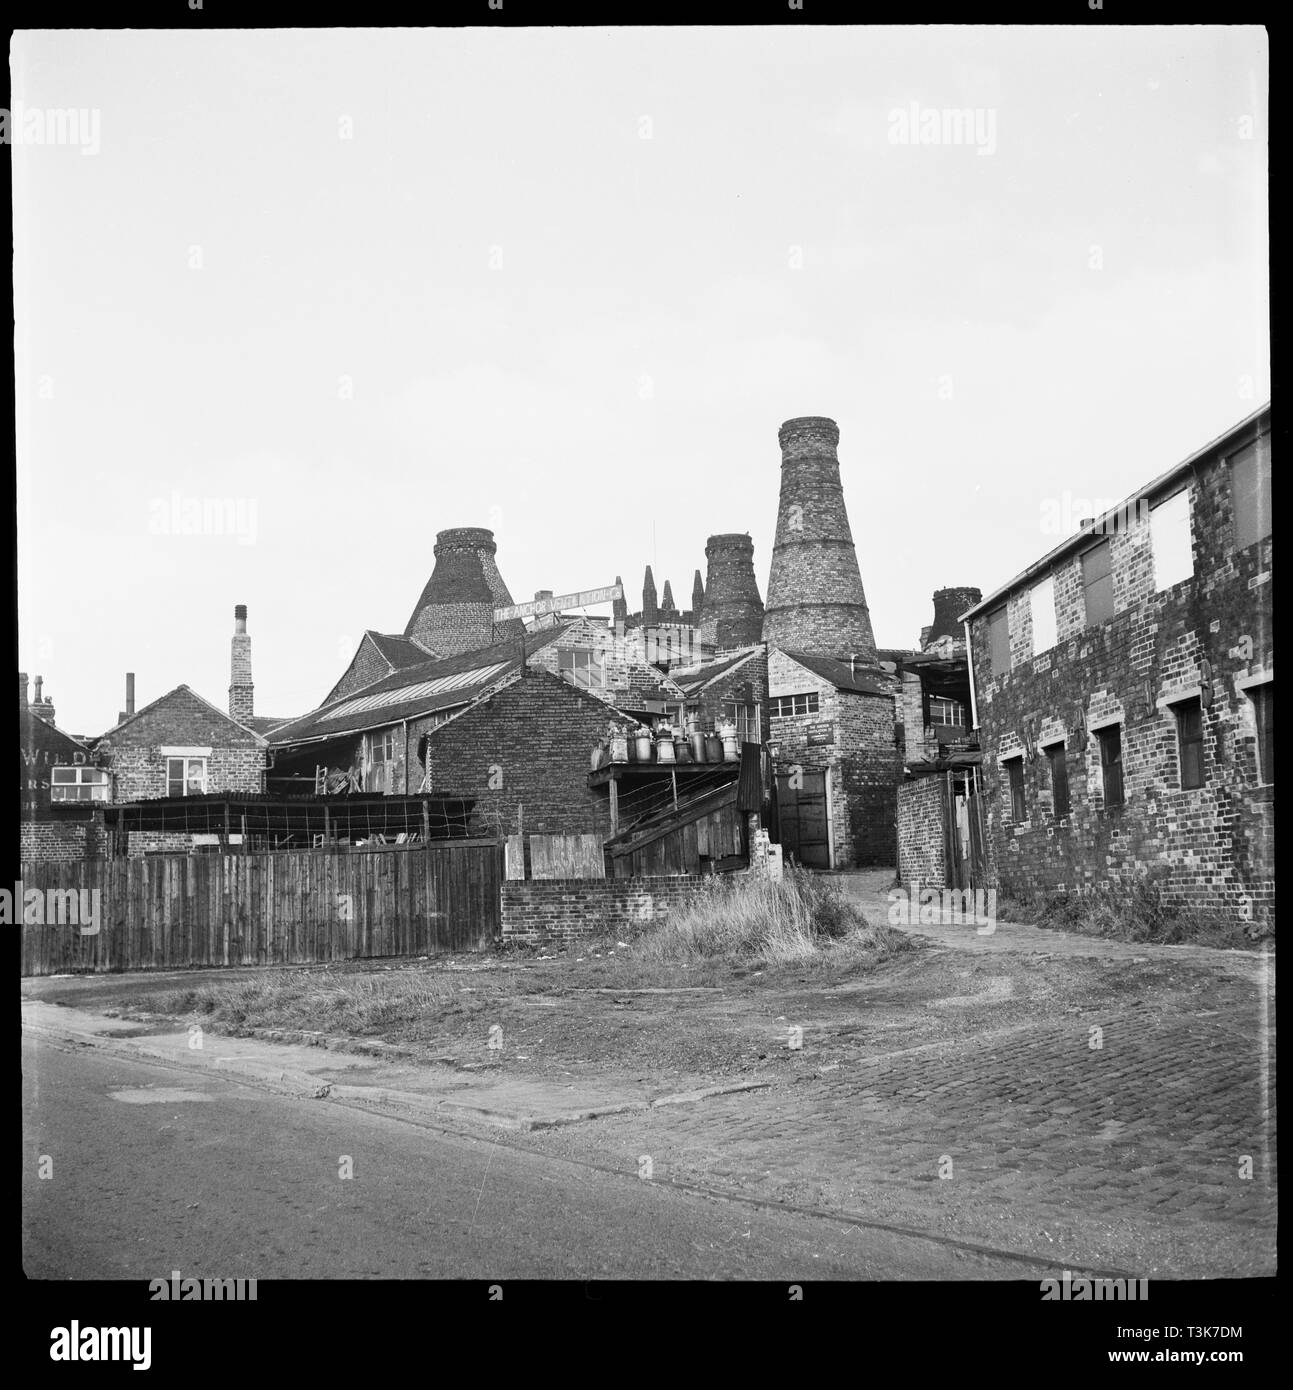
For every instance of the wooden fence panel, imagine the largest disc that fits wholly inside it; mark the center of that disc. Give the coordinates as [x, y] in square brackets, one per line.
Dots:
[298, 907]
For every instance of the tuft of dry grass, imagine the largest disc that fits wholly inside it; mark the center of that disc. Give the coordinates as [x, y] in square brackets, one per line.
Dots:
[755, 921]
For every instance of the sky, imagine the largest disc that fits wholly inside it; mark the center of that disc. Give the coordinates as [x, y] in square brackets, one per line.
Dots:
[290, 302]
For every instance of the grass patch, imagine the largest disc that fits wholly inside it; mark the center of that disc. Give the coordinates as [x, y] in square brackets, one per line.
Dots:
[1133, 909]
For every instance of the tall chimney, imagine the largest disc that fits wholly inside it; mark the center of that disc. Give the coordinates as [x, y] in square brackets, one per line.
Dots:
[733, 610]
[125, 714]
[697, 599]
[40, 680]
[620, 606]
[241, 703]
[42, 709]
[22, 689]
[667, 604]
[815, 599]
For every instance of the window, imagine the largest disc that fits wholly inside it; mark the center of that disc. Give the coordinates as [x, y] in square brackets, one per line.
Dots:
[381, 760]
[1059, 780]
[783, 706]
[1263, 698]
[950, 713]
[1110, 741]
[1097, 583]
[1250, 490]
[1169, 540]
[746, 719]
[582, 666]
[1018, 807]
[78, 784]
[1189, 738]
[1041, 597]
[186, 776]
[999, 640]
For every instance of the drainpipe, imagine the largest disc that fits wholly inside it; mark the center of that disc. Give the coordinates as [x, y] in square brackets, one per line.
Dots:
[406, 757]
[969, 662]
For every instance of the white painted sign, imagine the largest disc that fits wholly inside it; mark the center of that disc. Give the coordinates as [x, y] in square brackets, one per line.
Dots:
[583, 599]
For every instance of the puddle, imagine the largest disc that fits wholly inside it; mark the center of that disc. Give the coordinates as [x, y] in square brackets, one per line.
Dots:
[156, 1095]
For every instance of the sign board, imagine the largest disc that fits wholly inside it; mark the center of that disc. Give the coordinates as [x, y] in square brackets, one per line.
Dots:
[539, 606]
[820, 735]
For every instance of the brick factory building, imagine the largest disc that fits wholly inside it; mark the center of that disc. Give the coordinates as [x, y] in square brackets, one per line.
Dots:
[1124, 686]
[62, 788]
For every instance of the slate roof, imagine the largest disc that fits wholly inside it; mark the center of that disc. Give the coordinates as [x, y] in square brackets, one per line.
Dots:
[693, 678]
[397, 651]
[263, 723]
[434, 683]
[861, 680]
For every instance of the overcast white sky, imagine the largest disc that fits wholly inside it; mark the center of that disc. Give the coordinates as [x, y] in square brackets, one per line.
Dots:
[609, 394]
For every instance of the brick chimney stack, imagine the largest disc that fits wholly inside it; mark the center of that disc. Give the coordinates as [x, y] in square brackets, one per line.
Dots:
[125, 714]
[949, 604]
[456, 610]
[620, 607]
[815, 599]
[22, 689]
[697, 599]
[667, 604]
[42, 708]
[733, 610]
[241, 689]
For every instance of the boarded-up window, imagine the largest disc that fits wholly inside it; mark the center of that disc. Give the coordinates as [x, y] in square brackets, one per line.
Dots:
[1018, 806]
[1097, 583]
[999, 638]
[1250, 487]
[1110, 741]
[1263, 698]
[1041, 598]
[1059, 780]
[1169, 539]
[1189, 735]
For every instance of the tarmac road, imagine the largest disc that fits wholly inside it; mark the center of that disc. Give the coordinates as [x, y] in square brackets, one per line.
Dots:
[156, 1169]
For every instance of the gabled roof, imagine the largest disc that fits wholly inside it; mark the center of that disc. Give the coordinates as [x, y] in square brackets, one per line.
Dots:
[161, 699]
[432, 684]
[691, 679]
[859, 680]
[30, 724]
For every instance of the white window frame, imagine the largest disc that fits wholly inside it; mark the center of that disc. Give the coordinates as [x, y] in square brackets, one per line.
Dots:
[811, 699]
[588, 662]
[95, 778]
[746, 718]
[960, 723]
[186, 774]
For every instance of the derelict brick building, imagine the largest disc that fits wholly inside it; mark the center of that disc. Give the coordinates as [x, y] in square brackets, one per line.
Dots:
[1124, 686]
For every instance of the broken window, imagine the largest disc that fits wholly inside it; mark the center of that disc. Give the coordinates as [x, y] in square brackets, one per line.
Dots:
[945, 712]
[1110, 741]
[999, 641]
[1250, 488]
[1059, 780]
[1263, 698]
[381, 760]
[1018, 806]
[1097, 582]
[79, 783]
[1189, 737]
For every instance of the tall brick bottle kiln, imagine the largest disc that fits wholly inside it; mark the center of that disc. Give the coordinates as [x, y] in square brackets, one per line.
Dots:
[815, 598]
[731, 609]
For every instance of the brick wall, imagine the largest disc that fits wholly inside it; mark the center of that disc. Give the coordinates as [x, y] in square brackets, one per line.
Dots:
[59, 842]
[1212, 844]
[366, 666]
[920, 833]
[557, 911]
[181, 719]
[530, 746]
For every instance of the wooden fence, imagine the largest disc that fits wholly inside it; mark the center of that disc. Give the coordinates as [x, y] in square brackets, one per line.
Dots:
[168, 911]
